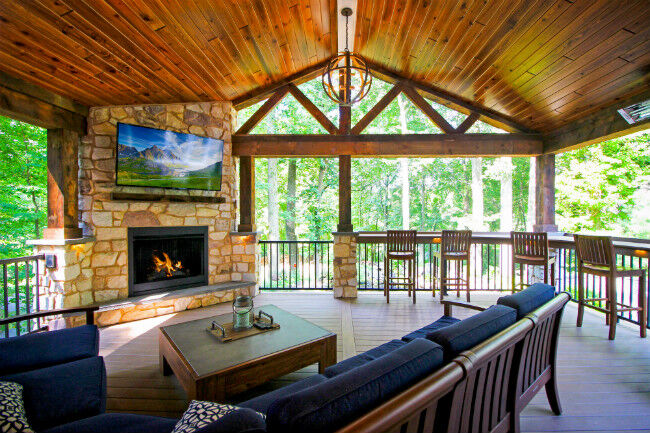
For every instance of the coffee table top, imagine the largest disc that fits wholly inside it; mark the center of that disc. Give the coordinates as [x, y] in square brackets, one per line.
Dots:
[207, 355]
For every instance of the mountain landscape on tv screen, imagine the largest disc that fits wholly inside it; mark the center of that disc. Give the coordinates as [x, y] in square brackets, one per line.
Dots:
[157, 158]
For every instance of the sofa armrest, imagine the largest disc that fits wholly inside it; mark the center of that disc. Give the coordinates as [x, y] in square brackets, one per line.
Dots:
[90, 315]
[449, 304]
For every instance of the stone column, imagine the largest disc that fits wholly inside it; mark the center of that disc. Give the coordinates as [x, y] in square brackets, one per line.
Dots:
[245, 258]
[345, 265]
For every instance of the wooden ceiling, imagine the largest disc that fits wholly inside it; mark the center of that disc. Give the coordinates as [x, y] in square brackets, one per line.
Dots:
[542, 63]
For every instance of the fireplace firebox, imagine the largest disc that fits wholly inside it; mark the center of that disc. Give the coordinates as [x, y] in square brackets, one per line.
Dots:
[167, 258]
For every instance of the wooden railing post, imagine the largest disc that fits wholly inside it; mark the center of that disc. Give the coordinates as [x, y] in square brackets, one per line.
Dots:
[246, 194]
[545, 193]
[62, 185]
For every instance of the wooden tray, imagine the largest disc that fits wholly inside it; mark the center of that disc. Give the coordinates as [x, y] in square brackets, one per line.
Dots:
[232, 335]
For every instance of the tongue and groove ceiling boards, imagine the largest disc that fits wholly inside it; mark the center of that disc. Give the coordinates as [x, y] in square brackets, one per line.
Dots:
[541, 63]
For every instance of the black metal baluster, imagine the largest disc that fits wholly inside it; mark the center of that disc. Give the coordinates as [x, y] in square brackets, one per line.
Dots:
[28, 295]
[17, 295]
[5, 296]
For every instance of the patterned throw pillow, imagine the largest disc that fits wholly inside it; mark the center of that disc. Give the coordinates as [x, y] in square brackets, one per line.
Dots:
[12, 411]
[202, 413]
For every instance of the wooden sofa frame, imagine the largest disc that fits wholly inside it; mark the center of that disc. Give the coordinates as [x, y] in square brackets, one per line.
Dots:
[483, 389]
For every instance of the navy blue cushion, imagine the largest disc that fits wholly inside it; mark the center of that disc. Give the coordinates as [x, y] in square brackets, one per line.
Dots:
[261, 404]
[469, 332]
[44, 349]
[63, 393]
[363, 358]
[117, 423]
[239, 421]
[530, 298]
[343, 398]
[426, 330]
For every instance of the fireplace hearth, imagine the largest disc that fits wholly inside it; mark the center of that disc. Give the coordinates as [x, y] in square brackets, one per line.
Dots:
[167, 258]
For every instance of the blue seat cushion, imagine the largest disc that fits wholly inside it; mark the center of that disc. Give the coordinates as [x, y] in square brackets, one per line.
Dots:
[343, 398]
[363, 358]
[426, 330]
[532, 297]
[469, 332]
[63, 393]
[117, 423]
[44, 349]
[261, 404]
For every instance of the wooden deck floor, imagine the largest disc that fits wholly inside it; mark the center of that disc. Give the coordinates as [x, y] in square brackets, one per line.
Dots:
[604, 386]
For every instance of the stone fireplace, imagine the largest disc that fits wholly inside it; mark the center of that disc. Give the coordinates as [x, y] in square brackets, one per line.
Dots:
[99, 269]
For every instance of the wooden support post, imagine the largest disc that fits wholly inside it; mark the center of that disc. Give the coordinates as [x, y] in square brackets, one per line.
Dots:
[62, 185]
[545, 193]
[246, 194]
[345, 172]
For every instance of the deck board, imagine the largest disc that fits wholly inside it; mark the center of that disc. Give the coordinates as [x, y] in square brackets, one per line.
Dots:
[604, 386]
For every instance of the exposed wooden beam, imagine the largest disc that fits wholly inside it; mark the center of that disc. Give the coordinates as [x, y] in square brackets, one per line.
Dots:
[488, 116]
[44, 95]
[377, 109]
[467, 123]
[428, 110]
[27, 108]
[600, 126]
[387, 145]
[312, 109]
[62, 185]
[263, 110]
[259, 94]
[246, 194]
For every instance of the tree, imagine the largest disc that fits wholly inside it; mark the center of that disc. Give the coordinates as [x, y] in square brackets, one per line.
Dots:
[23, 185]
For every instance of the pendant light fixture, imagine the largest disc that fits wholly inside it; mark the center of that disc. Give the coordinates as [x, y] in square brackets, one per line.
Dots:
[347, 79]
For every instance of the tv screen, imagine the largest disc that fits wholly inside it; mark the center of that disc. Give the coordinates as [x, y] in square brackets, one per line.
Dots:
[166, 159]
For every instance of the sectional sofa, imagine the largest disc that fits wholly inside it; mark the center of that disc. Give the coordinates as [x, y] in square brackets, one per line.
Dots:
[449, 376]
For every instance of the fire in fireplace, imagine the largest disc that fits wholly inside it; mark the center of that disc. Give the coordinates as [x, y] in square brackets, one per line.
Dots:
[167, 258]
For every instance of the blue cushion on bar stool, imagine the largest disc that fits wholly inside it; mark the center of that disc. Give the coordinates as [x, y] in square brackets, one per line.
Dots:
[363, 358]
[530, 298]
[44, 349]
[343, 398]
[426, 330]
[475, 329]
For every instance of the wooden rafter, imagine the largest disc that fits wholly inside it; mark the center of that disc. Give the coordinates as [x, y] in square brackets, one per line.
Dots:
[377, 109]
[312, 109]
[387, 145]
[467, 123]
[263, 110]
[427, 109]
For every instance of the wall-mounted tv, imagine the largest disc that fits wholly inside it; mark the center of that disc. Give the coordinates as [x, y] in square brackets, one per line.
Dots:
[166, 159]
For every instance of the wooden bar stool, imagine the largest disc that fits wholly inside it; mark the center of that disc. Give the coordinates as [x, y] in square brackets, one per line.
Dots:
[596, 256]
[400, 246]
[530, 249]
[454, 247]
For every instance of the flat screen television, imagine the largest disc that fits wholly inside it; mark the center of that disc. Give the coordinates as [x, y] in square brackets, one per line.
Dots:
[166, 159]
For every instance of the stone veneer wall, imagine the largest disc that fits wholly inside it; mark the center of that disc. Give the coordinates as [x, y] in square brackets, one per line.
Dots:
[97, 271]
[345, 265]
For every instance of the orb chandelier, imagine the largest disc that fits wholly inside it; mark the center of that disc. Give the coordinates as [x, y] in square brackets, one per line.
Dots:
[347, 79]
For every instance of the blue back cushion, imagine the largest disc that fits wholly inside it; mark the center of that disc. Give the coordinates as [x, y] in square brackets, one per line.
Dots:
[363, 358]
[44, 349]
[469, 332]
[343, 398]
[528, 299]
[63, 393]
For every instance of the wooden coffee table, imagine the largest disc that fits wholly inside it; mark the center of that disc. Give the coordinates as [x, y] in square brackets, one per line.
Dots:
[210, 370]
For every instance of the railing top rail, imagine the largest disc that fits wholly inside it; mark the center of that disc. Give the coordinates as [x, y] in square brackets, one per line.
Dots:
[296, 242]
[21, 259]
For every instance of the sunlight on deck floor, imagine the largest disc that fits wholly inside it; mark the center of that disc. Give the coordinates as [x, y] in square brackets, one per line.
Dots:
[604, 385]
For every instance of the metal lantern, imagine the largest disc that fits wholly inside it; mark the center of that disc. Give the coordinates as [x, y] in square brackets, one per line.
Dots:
[347, 78]
[242, 313]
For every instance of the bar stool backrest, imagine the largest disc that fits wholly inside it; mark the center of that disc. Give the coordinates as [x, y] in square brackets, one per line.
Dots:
[456, 241]
[594, 250]
[530, 244]
[401, 241]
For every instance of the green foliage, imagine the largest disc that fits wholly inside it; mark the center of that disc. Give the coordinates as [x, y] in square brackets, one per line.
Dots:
[23, 185]
[604, 188]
